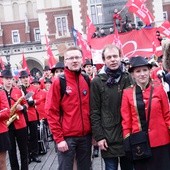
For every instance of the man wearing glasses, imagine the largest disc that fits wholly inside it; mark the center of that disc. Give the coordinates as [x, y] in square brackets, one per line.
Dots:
[69, 116]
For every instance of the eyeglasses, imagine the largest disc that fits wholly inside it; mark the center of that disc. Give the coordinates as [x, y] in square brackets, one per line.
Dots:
[110, 56]
[73, 57]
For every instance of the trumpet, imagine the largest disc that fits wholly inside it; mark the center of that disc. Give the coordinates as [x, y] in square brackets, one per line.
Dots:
[13, 115]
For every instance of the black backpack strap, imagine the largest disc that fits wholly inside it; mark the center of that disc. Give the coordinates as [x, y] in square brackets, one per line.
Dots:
[62, 85]
[86, 77]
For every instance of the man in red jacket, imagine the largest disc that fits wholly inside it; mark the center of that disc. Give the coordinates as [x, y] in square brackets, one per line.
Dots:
[69, 116]
[18, 127]
[4, 137]
[32, 117]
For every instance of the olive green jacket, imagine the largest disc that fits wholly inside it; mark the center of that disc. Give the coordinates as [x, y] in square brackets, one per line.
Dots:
[105, 112]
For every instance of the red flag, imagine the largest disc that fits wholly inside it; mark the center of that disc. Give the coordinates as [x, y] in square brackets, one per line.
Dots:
[165, 28]
[155, 44]
[116, 39]
[51, 59]
[138, 7]
[24, 64]
[90, 29]
[2, 67]
[82, 43]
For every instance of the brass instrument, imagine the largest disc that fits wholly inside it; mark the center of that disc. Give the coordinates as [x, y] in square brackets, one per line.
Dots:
[13, 115]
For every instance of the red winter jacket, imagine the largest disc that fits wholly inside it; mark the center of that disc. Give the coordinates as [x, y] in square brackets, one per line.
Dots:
[159, 125]
[75, 105]
[4, 112]
[40, 99]
[15, 95]
[31, 112]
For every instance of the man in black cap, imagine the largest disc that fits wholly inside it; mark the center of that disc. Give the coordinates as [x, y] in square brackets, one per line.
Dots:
[46, 74]
[17, 128]
[32, 117]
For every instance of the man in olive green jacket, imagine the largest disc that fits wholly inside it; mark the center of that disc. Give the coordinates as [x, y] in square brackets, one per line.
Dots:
[106, 94]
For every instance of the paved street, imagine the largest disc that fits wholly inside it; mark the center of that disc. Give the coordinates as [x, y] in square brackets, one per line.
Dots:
[50, 161]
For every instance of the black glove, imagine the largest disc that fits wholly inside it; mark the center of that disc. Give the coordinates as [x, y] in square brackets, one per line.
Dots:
[30, 102]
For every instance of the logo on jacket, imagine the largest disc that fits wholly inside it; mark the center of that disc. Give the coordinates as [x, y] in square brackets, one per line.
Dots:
[85, 92]
[68, 90]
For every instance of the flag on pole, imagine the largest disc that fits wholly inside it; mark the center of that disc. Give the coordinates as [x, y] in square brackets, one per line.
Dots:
[139, 8]
[90, 29]
[165, 28]
[51, 60]
[24, 64]
[116, 39]
[82, 43]
[74, 34]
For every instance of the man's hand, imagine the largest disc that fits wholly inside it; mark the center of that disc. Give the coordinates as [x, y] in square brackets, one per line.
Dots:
[19, 107]
[62, 146]
[103, 144]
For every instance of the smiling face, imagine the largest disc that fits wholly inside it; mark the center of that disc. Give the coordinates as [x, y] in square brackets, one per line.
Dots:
[111, 58]
[73, 59]
[141, 75]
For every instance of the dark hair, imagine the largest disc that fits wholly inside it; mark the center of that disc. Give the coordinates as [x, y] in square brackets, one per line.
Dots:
[110, 46]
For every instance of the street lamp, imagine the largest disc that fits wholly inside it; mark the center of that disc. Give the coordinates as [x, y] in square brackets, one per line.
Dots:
[8, 66]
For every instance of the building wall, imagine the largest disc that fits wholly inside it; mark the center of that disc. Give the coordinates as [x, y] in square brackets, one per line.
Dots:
[43, 17]
[158, 12]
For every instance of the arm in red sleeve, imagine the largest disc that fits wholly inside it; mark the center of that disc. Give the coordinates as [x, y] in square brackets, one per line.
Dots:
[165, 107]
[126, 114]
[54, 111]
[4, 106]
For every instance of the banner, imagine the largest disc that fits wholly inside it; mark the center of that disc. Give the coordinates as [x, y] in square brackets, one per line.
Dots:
[133, 43]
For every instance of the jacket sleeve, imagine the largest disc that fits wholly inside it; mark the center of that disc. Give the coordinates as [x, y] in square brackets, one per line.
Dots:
[54, 111]
[126, 114]
[95, 110]
[165, 107]
[4, 106]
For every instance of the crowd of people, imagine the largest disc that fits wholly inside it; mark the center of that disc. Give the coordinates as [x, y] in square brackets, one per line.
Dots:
[87, 108]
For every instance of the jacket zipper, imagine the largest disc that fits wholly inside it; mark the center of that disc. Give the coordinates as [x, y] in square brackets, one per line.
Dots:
[81, 114]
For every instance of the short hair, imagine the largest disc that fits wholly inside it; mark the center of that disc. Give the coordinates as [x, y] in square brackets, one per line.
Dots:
[73, 48]
[110, 46]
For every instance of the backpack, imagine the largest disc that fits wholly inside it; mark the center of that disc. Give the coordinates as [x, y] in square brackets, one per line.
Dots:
[62, 79]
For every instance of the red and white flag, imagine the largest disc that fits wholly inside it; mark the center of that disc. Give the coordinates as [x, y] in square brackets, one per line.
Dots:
[51, 60]
[2, 66]
[139, 8]
[82, 43]
[165, 28]
[90, 29]
[24, 64]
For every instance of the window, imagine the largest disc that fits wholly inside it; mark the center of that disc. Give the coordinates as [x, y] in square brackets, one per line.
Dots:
[2, 18]
[37, 34]
[165, 15]
[30, 13]
[15, 37]
[62, 26]
[15, 7]
[96, 11]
